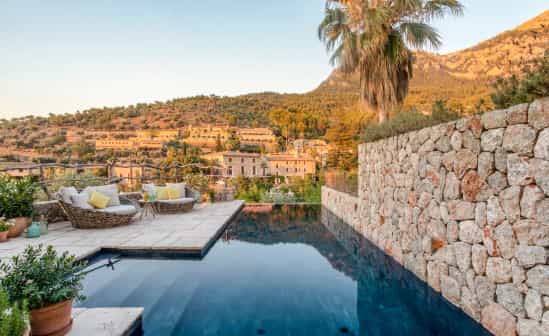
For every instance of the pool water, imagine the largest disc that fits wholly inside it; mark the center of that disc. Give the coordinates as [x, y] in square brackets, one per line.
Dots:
[279, 272]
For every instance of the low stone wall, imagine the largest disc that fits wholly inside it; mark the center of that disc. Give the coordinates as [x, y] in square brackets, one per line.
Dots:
[465, 206]
[50, 210]
[343, 205]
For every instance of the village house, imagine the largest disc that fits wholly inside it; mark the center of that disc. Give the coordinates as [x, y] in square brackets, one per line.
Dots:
[206, 135]
[255, 164]
[286, 164]
[239, 163]
[259, 137]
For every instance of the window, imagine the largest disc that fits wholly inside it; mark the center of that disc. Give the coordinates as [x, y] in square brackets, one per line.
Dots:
[253, 160]
[253, 170]
[242, 170]
[230, 159]
[230, 172]
[242, 160]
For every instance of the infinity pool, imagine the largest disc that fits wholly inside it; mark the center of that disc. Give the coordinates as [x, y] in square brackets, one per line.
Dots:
[278, 272]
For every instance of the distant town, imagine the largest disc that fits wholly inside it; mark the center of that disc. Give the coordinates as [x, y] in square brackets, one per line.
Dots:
[246, 152]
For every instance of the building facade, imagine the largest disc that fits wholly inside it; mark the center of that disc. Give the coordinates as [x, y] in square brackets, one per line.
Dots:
[258, 137]
[240, 164]
[286, 164]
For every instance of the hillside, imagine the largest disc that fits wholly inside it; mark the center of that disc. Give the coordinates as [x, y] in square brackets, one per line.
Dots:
[464, 77]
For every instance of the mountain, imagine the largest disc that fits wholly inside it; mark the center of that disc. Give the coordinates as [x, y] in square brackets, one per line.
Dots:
[464, 77]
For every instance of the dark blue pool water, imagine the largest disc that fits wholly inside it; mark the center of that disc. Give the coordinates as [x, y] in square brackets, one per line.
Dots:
[278, 273]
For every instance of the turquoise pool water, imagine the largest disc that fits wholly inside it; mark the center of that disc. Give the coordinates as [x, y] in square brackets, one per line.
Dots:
[279, 272]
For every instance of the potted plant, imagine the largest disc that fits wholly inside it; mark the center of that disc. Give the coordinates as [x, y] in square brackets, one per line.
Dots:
[13, 317]
[4, 229]
[48, 282]
[16, 202]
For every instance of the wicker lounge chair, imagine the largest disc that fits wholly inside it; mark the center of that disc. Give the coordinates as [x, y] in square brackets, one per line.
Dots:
[112, 216]
[184, 204]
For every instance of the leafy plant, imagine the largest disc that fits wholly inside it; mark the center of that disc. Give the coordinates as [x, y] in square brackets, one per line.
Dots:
[41, 277]
[532, 85]
[13, 317]
[4, 226]
[407, 121]
[17, 196]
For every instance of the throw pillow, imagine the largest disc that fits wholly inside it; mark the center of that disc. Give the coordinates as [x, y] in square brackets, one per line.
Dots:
[98, 200]
[173, 193]
[110, 190]
[162, 193]
[180, 187]
[66, 193]
[81, 201]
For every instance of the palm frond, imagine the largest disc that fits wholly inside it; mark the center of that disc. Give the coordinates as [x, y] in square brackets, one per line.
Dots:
[437, 9]
[420, 35]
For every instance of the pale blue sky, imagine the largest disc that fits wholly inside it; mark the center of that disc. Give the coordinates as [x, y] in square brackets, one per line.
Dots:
[62, 56]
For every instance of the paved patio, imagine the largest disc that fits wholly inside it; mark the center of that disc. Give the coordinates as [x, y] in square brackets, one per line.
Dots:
[105, 321]
[190, 233]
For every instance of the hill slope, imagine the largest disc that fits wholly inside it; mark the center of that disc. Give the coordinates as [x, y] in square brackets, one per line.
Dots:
[464, 77]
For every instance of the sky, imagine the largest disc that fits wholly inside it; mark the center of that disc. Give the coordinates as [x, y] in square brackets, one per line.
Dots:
[63, 56]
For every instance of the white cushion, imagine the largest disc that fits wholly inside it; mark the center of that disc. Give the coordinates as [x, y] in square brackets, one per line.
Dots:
[81, 201]
[150, 188]
[66, 193]
[120, 209]
[180, 187]
[184, 200]
[110, 190]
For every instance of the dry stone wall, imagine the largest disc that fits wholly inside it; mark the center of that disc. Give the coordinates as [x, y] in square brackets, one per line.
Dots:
[343, 205]
[465, 206]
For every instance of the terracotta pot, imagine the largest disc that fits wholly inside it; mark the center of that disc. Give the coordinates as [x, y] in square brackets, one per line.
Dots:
[21, 224]
[54, 320]
[3, 236]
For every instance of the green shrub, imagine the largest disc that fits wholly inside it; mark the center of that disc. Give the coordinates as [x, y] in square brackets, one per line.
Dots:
[42, 277]
[17, 196]
[408, 121]
[533, 84]
[4, 226]
[13, 317]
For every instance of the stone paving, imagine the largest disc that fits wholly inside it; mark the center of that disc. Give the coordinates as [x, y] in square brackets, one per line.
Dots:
[105, 321]
[190, 233]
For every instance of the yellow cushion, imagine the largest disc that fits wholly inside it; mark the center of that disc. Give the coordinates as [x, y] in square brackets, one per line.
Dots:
[162, 193]
[173, 193]
[98, 200]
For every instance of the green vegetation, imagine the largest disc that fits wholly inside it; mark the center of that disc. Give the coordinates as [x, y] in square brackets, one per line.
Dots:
[290, 190]
[4, 226]
[42, 277]
[13, 317]
[533, 84]
[408, 121]
[17, 196]
[373, 39]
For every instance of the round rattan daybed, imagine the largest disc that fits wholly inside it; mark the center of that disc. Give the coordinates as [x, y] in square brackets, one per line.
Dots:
[96, 219]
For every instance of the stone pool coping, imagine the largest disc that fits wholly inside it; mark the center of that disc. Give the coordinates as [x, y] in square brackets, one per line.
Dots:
[189, 234]
[106, 321]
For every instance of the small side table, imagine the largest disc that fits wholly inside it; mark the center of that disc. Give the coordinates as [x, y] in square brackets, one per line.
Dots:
[148, 209]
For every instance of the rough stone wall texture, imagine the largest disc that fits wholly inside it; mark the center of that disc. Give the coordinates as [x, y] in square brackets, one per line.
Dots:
[465, 206]
[50, 210]
[343, 205]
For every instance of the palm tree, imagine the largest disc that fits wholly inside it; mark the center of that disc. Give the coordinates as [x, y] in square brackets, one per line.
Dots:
[375, 37]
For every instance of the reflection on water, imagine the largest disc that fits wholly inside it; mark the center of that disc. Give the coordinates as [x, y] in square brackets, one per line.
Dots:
[279, 272]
